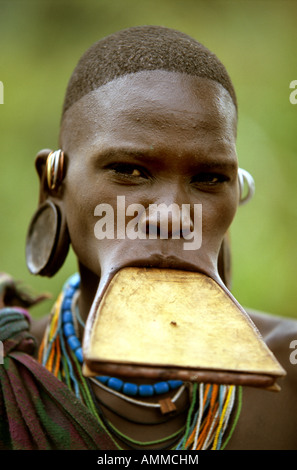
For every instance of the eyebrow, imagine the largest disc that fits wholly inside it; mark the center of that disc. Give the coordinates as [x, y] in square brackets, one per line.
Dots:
[142, 155]
[216, 165]
[117, 153]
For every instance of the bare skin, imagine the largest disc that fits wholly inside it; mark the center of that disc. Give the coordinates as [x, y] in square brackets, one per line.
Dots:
[163, 137]
[268, 420]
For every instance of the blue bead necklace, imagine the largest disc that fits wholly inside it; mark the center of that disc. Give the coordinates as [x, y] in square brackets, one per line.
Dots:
[113, 383]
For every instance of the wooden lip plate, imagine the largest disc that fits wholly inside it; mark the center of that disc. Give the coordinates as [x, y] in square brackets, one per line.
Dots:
[262, 378]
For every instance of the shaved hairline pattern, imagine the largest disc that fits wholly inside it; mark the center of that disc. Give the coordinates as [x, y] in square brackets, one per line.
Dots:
[143, 48]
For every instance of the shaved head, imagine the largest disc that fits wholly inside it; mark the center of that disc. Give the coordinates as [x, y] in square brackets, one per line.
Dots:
[143, 48]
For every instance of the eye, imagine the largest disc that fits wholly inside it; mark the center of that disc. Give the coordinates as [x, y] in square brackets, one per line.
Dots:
[135, 172]
[128, 171]
[209, 179]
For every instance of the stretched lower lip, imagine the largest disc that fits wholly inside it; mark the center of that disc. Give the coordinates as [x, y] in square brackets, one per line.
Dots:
[165, 262]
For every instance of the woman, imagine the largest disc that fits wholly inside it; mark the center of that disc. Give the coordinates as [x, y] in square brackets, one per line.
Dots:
[150, 115]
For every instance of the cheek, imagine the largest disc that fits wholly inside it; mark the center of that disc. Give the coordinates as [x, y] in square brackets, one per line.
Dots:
[79, 208]
[80, 202]
[217, 217]
[80, 225]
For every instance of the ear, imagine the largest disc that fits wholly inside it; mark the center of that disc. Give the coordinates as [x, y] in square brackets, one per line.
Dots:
[48, 239]
[50, 166]
[246, 186]
[40, 165]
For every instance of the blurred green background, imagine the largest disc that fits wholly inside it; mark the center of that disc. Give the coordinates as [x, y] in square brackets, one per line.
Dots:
[40, 43]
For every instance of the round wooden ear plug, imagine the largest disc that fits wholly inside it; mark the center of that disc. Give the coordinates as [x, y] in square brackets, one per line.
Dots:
[47, 241]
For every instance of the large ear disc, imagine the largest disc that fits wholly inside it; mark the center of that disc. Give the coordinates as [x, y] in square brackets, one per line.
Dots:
[47, 241]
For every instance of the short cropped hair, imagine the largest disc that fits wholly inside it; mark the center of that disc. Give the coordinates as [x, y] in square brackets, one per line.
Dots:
[143, 48]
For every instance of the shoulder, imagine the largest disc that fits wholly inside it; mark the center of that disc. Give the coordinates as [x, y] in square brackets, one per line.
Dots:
[272, 325]
[268, 420]
[280, 335]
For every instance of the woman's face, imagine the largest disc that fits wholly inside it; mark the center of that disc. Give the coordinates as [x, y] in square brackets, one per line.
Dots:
[150, 138]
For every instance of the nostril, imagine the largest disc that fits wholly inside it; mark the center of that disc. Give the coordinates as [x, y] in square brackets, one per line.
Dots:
[152, 225]
[165, 221]
[154, 231]
[143, 223]
[186, 230]
[186, 220]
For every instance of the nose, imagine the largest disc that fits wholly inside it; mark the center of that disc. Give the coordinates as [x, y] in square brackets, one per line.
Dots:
[166, 221]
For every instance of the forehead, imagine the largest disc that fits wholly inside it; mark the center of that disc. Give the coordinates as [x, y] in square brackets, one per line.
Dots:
[133, 108]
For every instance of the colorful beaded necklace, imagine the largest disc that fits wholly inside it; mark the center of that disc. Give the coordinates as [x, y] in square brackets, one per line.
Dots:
[211, 407]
